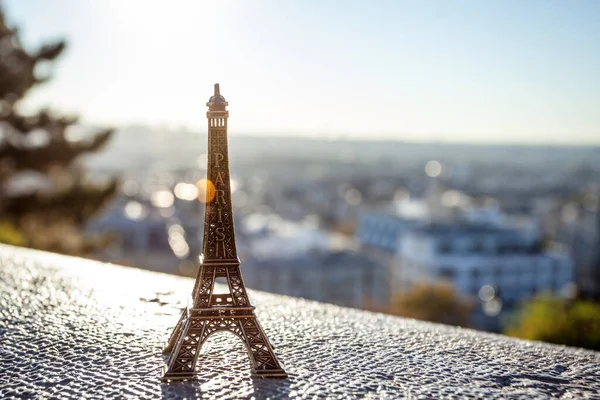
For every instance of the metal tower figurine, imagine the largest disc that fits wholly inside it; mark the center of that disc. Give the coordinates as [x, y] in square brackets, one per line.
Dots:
[210, 312]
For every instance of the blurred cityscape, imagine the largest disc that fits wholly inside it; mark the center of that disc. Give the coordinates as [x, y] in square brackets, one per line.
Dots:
[457, 178]
[357, 223]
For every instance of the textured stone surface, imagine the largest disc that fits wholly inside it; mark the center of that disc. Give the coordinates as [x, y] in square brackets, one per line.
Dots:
[72, 328]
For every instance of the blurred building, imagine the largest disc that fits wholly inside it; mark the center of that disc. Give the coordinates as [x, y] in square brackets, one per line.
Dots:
[346, 277]
[580, 231]
[300, 259]
[576, 225]
[382, 231]
[149, 237]
[474, 256]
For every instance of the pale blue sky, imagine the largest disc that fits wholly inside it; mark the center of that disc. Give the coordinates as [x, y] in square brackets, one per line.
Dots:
[498, 71]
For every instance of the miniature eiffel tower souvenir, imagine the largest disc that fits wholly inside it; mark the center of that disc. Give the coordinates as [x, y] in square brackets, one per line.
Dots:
[210, 312]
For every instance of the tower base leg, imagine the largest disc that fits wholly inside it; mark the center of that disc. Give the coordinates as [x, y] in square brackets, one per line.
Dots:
[194, 329]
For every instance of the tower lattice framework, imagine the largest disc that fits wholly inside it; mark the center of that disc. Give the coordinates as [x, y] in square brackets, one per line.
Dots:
[211, 312]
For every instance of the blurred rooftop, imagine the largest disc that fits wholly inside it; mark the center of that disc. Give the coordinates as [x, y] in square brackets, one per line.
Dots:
[71, 327]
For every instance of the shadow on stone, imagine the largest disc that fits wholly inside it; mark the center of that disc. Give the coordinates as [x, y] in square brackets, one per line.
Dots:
[181, 390]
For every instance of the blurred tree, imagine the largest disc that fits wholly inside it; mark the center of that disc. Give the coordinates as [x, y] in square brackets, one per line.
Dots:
[555, 320]
[432, 302]
[45, 199]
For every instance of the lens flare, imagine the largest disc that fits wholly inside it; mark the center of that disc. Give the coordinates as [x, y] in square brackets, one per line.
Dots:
[206, 190]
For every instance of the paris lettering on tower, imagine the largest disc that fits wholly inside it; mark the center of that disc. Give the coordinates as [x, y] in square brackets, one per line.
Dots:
[216, 242]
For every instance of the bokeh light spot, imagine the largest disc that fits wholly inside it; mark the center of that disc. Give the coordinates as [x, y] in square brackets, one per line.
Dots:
[186, 191]
[487, 293]
[131, 188]
[353, 197]
[433, 168]
[162, 198]
[492, 308]
[135, 210]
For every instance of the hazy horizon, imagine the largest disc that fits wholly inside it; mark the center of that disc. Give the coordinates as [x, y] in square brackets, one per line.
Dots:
[332, 137]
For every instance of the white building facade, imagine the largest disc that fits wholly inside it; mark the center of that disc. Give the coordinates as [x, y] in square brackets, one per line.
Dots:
[381, 230]
[472, 256]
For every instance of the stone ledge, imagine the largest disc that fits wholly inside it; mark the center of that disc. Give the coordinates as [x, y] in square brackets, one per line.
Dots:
[71, 328]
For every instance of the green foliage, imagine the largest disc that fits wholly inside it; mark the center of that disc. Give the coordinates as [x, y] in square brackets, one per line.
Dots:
[554, 320]
[432, 302]
[10, 234]
[52, 215]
